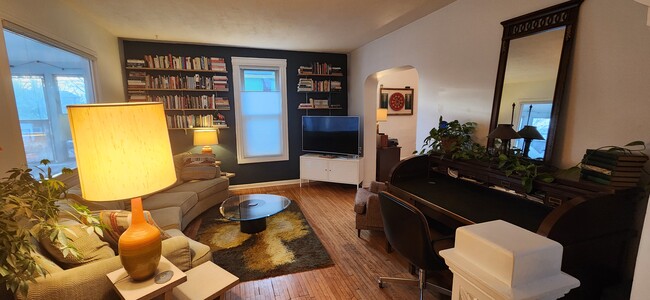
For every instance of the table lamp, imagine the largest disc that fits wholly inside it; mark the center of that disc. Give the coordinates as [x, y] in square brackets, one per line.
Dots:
[382, 116]
[505, 133]
[122, 152]
[529, 133]
[205, 138]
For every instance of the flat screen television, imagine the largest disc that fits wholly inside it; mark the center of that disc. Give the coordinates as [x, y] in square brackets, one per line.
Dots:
[337, 135]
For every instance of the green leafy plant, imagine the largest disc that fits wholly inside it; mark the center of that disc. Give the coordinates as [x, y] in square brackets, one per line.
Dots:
[453, 139]
[525, 169]
[28, 212]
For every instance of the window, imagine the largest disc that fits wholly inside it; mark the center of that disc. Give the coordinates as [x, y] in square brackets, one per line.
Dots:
[538, 114]
[260, 109]
[45, 80]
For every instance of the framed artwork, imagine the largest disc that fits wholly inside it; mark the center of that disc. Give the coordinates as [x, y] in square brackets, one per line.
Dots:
[398, 101]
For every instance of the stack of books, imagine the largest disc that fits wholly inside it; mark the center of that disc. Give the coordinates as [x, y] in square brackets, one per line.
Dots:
[305, 85]
[613, 168]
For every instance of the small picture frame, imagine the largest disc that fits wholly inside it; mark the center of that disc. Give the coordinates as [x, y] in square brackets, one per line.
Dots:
[398, 101]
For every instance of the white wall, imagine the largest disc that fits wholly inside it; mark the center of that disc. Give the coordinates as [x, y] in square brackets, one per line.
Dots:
[456, 52]
[401, 126]
[56, 20]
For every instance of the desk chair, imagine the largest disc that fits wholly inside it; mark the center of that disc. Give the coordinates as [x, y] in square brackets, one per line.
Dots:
[407, 231]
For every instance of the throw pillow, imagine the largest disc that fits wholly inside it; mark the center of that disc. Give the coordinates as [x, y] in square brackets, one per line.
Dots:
[89, 246]
[117, 221]
[200, 171]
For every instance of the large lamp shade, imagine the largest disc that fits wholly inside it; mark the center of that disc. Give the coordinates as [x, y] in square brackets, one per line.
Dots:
[123, 151]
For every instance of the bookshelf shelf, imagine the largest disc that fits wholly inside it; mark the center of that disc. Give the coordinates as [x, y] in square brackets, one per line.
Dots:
[176, 70]
[131, 89]
[322, 85]
[185, 85]
[189, 128]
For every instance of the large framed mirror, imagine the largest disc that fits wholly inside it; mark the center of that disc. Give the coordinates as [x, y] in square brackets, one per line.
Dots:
[535, 56]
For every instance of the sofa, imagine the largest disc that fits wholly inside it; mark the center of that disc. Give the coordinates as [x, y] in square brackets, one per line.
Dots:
[366, 207]
[198, 187]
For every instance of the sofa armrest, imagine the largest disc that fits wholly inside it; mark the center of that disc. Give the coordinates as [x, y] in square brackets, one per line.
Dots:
[373, 212]
[89, 281]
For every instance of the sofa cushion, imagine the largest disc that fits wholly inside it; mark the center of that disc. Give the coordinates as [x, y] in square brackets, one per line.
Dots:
[183, 199]
[117, 221]
[203, 188]
[48, 266]
[88, 245]
[179, 162]
[196, 171]
[168, 217]
[200, 252]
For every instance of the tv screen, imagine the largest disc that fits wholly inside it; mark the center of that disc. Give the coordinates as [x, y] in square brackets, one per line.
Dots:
[331, 134]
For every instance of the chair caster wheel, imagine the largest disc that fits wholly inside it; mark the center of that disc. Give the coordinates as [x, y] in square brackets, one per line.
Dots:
[381, 284]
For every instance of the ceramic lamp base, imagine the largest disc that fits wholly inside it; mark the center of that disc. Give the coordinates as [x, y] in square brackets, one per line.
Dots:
[206, 150]
[140, 245]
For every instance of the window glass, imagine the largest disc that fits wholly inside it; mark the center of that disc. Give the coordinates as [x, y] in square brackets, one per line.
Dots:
[45, 80]
[260, 99]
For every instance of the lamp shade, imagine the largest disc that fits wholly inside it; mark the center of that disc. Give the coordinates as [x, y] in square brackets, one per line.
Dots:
[382, 114]
[204, 137]
[122, 149]
[504, 132]
[530, 132]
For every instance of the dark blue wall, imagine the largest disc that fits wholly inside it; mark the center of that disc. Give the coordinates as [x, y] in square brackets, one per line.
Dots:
[226, 151]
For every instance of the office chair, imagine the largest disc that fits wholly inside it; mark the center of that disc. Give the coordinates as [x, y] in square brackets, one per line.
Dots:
[407, 231]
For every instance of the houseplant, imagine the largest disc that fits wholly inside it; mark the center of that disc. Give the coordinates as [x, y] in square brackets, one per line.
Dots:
[452, 139]
[29, 211]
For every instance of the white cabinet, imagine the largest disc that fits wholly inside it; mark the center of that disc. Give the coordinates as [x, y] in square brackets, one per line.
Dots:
[337, 169]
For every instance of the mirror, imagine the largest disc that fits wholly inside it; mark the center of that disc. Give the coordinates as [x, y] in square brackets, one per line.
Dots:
[535, 55]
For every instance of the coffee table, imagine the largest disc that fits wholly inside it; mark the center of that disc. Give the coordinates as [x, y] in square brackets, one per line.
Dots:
[251, 210]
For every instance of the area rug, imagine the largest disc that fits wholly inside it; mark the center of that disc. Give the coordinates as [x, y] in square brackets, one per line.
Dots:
[288, 245]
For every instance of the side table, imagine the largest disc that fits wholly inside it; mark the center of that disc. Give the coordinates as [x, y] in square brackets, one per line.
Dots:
[148, 289]
[206, 281]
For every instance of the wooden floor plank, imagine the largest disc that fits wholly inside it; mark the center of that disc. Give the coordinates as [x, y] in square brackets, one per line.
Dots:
[359, 261]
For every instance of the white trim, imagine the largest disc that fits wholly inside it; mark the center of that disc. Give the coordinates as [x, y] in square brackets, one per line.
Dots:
[263, 184]
[239, 63]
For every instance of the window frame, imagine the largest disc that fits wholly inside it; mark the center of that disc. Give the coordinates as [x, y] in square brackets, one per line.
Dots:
[279, 65]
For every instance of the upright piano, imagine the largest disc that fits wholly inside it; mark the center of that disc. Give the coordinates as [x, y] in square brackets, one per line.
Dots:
[598, 227]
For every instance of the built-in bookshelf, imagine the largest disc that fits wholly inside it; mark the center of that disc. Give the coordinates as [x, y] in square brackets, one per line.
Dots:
[319, 82]
[192, 89]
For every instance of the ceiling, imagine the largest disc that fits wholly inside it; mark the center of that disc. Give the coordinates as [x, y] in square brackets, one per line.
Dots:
[338, 26]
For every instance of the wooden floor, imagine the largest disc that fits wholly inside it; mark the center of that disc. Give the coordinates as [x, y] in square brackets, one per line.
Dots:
[358, 261]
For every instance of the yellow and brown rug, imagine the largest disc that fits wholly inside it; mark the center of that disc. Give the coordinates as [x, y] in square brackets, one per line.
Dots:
[288, 245]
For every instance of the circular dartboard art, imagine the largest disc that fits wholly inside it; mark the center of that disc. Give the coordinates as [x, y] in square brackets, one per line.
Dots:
[396, 101]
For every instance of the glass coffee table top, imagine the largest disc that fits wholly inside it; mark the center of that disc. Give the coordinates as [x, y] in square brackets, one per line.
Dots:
[253, 207]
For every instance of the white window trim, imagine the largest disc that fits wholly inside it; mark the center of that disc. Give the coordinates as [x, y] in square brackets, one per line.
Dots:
[260, 63]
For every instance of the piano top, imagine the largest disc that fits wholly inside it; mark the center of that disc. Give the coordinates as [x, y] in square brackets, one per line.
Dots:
[472, 203]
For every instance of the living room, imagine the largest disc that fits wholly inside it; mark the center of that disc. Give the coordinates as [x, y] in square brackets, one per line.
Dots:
[455, 50]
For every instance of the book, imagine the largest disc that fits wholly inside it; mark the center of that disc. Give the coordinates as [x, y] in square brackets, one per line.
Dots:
[610, 163]
[608, 182]
[617, 155]
[629, 172]
[610, 177]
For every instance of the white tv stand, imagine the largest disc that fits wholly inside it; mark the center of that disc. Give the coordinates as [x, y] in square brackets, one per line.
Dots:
[320, 167]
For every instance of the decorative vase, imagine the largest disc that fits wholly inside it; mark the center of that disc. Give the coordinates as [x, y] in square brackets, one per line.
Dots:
[140, 245]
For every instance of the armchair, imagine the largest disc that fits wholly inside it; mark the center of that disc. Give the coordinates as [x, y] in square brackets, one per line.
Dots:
[366, 207]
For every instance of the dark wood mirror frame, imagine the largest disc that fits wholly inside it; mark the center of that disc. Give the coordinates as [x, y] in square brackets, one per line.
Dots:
[564, 14]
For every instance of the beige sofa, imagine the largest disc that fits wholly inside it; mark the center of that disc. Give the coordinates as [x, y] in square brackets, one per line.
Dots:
[172, 210]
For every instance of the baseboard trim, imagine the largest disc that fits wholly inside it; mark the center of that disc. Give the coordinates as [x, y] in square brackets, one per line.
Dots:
[263, 184]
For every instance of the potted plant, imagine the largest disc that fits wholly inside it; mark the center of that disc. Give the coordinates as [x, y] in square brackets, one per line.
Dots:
[453, 139]
[29, 211]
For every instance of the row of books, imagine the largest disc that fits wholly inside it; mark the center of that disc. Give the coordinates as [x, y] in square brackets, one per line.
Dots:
[184, 101]
[193, 121]
[613, 168]
[310, 85]
[320, 69]
[141, 81]
[169, 61]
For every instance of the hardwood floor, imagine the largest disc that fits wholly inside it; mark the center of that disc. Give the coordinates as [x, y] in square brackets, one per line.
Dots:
[358, 261]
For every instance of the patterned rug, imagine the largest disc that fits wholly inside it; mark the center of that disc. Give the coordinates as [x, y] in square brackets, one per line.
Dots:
[288, 245]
